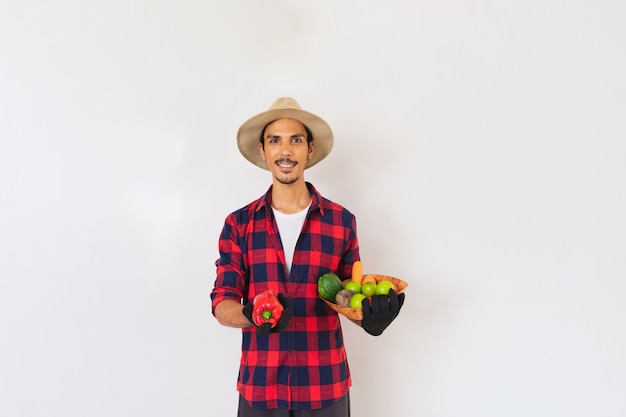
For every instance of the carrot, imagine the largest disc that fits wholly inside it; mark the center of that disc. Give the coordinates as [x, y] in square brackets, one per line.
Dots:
[357, 271]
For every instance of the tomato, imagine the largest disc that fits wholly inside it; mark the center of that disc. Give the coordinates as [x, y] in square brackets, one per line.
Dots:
[368, 288]
[353, 286]
[383, 287]
[357, 300]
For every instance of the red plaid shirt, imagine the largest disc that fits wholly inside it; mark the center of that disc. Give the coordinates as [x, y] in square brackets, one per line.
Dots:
[304, 367]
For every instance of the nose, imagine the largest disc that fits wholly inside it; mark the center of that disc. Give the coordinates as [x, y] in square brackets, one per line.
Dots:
[285, 148]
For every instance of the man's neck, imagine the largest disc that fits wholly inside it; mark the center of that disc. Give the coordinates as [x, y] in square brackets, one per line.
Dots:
[290, 198]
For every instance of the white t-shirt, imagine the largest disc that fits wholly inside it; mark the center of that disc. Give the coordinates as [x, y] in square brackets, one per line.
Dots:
[289, 228]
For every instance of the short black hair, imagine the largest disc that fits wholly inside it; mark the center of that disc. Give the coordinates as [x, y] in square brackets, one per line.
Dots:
[309, 134]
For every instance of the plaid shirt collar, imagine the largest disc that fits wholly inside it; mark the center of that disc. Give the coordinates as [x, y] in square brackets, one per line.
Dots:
[317, 201]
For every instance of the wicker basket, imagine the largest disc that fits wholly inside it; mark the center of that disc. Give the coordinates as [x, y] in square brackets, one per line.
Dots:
[357, 313]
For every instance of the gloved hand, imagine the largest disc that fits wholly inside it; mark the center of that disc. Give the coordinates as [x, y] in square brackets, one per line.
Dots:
[382, 311]
[266, 328]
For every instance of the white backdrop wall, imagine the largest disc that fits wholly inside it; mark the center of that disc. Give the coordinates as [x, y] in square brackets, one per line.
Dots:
[479, 143]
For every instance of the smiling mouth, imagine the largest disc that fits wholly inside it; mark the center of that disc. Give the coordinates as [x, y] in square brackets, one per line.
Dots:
[286, 163]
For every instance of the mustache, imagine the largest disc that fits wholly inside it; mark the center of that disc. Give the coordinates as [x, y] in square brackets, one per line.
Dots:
[285, 161]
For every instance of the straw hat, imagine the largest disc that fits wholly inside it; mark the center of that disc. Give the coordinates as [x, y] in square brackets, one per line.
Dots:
[249, 133]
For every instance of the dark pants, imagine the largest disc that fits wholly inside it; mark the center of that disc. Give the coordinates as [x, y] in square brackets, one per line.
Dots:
[340, 408]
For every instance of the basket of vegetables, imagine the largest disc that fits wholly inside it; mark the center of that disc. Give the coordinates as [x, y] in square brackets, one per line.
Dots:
[346, 297]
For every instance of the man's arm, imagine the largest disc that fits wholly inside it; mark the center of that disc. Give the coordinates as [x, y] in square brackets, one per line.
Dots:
[230, 313]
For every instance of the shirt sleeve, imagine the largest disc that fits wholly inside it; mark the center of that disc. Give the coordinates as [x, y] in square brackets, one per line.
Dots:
[351, 253]
[230, 283]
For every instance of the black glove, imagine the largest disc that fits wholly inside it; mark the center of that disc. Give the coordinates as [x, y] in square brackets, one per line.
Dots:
[266, 328]
[383, 310]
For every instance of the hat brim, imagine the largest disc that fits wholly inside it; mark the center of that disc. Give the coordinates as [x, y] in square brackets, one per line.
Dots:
[249, 134]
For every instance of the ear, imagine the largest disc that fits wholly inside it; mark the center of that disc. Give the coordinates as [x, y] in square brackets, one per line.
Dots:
[311, 150]
[261, 151]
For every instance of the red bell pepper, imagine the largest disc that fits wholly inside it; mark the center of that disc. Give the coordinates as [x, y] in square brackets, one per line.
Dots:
[267, 308]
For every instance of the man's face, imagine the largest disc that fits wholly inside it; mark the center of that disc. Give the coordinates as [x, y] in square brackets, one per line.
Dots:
[286, 150]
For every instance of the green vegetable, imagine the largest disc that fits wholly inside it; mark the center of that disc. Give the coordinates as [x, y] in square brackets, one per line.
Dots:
[328, 285]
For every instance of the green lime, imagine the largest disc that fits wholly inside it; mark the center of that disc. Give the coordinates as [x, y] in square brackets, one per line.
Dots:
[383, 287]
[353, 286]
[357, 300]
[368, 288]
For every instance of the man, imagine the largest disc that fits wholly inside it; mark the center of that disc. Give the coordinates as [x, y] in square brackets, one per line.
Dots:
[285, 241]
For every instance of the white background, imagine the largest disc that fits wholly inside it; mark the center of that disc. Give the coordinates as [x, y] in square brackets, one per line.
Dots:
[480, 144]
